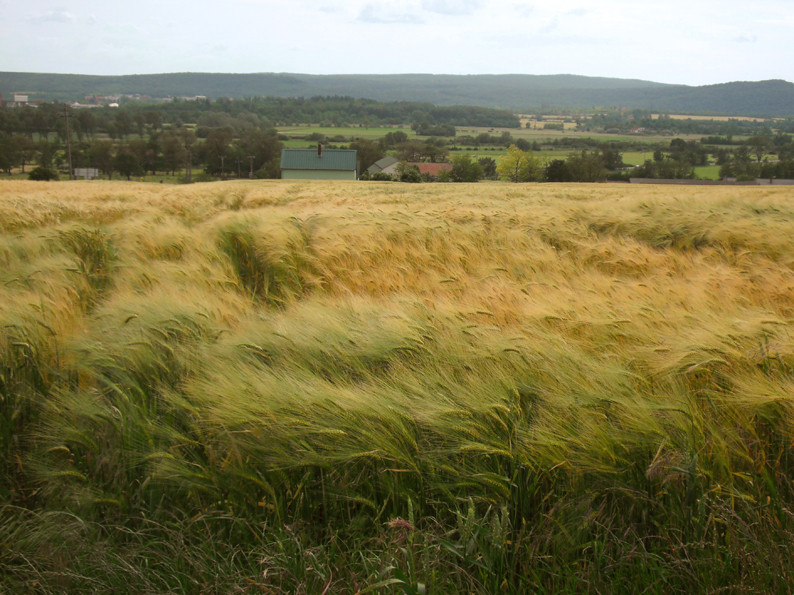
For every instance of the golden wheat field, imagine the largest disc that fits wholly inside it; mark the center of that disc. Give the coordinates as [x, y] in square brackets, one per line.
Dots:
[485, 387]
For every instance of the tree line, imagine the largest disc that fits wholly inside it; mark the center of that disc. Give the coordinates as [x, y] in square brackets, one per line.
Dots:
[245, 152]
[240, 114]
[641, 120]
[225, 137]
[228, 138]
[758, 157]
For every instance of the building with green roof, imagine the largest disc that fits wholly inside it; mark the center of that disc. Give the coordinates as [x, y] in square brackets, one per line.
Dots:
[319, 164]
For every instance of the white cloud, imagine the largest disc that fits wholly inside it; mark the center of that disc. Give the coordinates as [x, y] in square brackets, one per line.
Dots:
[372, 13]
[712, 42]
[452, 7]
[524, 10]
[54, 16]
[550, 26]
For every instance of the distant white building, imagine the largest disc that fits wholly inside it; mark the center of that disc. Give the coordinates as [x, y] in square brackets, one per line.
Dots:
[87, 173]
[18, 100]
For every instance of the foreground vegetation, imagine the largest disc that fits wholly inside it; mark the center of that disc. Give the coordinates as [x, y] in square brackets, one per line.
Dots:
[341, 387]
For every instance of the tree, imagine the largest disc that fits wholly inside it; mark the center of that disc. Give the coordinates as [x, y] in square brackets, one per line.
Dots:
[173, 153]
[667, 168]
[409, 173]
[27, 149]
[127, 163]
[28, 122]
[188, 138]
[524, 144]
[47, 150]
[138, 147]
[426, 129]
[611, 157]
[488, 168]
[740, 166]
[518, 166]
[506, 139]
[9, 156]
[586, 167]
[46, 119]
[153, 120]
[419, 151]
[152, 160]
[43, 174]
[214, 152]
[392, 139]
[101, 154]
[85, 123]
[368, 152]
[557, 171]
[146, 153]
[759, 145]
[485, 139]
[140, 122]
[264, 148]
[691, 152]
[465, 169]
[123, 124]
[15, 150]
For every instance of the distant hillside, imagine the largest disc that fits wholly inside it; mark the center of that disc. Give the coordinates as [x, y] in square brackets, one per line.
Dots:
[515, 92]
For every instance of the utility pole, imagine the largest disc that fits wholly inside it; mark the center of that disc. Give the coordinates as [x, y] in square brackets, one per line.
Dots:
[187, 139]
[223, 172]
[68, 142]
[251, 167]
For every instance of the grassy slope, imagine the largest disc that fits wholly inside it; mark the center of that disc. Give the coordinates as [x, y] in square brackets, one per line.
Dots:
[305, 386]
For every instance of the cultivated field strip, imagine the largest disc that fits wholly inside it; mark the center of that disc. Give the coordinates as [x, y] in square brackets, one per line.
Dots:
[547, 383]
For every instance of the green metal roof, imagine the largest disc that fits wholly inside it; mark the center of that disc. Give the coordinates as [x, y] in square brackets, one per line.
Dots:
[337, 159]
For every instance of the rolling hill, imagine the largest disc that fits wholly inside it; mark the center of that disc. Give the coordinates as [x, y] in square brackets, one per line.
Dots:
[515, 92]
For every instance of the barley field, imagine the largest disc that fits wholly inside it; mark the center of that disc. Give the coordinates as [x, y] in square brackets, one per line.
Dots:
[320, 387]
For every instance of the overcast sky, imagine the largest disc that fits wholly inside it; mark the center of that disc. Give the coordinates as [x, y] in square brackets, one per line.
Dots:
[693, 42]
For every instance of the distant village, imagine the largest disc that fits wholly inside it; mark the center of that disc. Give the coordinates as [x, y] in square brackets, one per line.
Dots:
[93, 101]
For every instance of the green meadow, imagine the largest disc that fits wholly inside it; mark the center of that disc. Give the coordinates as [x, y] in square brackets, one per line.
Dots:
[319, 387]
[348, 132]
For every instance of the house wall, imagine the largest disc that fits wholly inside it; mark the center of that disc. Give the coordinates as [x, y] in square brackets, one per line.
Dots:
[317, 174]
[391, 169]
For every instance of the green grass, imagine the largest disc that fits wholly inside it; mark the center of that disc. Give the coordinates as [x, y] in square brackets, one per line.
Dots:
[349, 132]
[532, 135]
[708, 172]
[341, 387]
[636, 157]
[541, 135]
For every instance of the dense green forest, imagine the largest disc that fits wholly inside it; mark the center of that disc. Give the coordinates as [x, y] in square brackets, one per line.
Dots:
[514, 92]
